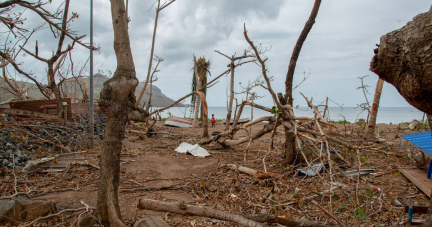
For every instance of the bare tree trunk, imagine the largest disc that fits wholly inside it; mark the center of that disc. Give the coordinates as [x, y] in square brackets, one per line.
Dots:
[429, 119]
[51, 71]
[197, 97]
[325, 108]
[204, 119]
[117, 101]
[250, 128]
[296, 52]
[290, 148]
[370, 130]
[150, 94]
[58, 96]
[404, 59]
[228, 117]
[56, 92]
[151, 56]
[428, 221]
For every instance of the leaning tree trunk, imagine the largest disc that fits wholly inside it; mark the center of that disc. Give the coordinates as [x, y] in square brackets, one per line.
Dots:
[428, 221]
[197, 97]
[290, 148]
[370, 130]
[404, 59]
[117, 101]
[204, 119]
[196, 113]
[56, 92]
[228, 117]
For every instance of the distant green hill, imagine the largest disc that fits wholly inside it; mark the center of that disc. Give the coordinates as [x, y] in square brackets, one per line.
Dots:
[158, 98]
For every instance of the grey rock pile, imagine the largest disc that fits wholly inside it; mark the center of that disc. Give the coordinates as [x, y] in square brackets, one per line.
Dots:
[23, 141]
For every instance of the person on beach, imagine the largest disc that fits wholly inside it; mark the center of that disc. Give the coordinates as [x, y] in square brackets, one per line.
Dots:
[213, 121]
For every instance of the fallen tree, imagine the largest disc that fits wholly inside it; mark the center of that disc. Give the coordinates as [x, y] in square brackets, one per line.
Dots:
[403, 59]
[247, 220]
[190, 210]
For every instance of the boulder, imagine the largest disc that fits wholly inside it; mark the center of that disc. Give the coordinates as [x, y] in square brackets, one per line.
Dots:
[152, 221]
[414, 125]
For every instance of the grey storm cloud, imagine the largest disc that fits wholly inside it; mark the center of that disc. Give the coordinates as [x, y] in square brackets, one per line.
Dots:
[337, 51]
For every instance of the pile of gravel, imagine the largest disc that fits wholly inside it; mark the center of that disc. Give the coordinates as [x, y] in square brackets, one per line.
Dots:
[21, 141]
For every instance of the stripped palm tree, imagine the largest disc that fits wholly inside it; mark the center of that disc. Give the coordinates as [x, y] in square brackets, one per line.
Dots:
[200, 71]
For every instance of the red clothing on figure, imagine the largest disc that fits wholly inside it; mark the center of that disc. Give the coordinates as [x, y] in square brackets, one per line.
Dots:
[213, 121]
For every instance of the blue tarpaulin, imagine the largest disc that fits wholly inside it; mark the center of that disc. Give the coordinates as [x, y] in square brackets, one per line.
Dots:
[421, 140]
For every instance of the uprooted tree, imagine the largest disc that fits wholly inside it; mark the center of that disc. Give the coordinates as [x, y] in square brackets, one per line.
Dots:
[404, 59]
[296, 126]
[283, 102]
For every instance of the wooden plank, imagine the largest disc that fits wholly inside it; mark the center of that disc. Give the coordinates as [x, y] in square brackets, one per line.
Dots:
[84, 108]
[34, 105]
[31, 114]
[419, 179]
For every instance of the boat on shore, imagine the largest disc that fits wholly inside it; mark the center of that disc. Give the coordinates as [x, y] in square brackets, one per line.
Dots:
[240, 121]
[178, 122]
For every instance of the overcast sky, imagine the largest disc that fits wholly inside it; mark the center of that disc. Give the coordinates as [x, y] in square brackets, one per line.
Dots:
[337, 50]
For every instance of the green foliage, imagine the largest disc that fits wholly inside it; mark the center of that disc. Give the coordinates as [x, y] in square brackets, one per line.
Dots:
[75, 15]
[341, 122]
[297, 197]
[169, 114]
[343, 208]
[285, 169]
[275, 110]
[424, 125]
[362, 159]
[199, 119]
[368, 192]
[360, 212]
[360, 121]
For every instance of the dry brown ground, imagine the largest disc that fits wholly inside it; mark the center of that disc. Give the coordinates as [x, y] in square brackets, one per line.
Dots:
[150, 164]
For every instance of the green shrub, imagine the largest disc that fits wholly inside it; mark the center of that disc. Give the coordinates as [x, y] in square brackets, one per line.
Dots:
[341, 122]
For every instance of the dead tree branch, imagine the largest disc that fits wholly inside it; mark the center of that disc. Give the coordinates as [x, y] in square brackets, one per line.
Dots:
[188, 210]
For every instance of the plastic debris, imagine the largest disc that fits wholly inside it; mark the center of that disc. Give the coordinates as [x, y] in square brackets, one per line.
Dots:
[312, 171]
[356, 172]
[194, 150]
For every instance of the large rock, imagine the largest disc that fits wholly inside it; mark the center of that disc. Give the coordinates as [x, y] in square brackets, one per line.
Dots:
[152, 221]
[21, 209]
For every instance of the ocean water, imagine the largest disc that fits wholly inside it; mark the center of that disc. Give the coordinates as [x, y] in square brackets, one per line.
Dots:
[394, 115]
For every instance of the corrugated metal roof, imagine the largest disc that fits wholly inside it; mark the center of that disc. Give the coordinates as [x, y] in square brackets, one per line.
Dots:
[422, 140]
